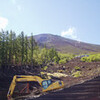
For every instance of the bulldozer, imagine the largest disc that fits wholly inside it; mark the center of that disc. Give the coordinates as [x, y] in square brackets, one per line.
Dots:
[44, 84]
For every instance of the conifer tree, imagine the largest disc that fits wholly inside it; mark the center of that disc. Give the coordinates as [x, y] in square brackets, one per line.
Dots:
[26, 50]
[31, 48]
[22, 48]
[10, 48]
[6, 48]
[0, 48]
[3, 51]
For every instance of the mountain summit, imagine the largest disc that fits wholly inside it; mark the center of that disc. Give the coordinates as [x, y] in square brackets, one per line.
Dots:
[65, 45]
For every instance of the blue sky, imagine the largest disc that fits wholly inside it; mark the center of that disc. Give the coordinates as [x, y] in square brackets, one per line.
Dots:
[74, 19]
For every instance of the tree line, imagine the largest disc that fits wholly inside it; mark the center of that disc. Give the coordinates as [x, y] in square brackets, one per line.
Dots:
[16, 50]
[22, 50]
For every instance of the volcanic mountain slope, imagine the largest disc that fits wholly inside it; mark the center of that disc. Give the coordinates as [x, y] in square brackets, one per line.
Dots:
[65, 45]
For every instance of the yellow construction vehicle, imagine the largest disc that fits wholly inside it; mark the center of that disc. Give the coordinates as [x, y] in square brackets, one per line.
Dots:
[46, 84]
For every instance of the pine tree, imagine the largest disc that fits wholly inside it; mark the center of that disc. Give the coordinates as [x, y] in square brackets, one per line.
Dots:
[19, 49]
[3, 51]
[0, 48]
[31, 48]
[10, 48]
[22, 48]
[53, 55]
[6, 48]
[26, 50]
[14, 49]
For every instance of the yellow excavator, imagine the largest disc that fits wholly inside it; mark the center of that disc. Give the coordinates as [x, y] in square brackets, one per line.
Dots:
[45, 84]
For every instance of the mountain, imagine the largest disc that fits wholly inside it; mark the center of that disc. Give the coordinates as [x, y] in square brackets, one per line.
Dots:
[65, 45]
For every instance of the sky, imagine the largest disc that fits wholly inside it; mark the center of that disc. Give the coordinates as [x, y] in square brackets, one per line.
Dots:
[74, 19]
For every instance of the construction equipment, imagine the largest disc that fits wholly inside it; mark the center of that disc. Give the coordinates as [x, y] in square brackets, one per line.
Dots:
[46, 84]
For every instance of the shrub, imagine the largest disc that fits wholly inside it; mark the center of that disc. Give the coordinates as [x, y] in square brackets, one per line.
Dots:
[60, 71]
[56, 59]
[77, 74]
[45, 68]
[91, 58]
[77, 68]
[66, 56]
[62, 61]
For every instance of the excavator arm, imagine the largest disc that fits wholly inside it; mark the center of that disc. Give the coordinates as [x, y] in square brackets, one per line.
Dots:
[12, 87]
[22, 78]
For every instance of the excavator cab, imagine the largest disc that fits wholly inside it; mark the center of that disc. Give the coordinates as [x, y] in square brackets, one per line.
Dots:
[46, 83]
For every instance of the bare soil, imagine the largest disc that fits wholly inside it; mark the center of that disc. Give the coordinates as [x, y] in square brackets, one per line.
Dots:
[89, 70]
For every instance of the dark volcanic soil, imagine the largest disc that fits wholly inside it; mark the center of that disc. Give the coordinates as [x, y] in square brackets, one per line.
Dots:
[89, 70]
[89, 90]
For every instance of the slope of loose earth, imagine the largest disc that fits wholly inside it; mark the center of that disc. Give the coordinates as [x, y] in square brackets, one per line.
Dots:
[88, 71]
[65, 45]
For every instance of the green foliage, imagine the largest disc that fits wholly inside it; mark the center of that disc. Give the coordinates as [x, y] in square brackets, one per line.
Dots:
[41, 56]
[15, 50]
[21, 50]
[77, 74]
[64, 58]
[60, 71]
[62, 61]
[53, 55]
[44, 56]
[91, 58]
[77, 68]
[45, 67]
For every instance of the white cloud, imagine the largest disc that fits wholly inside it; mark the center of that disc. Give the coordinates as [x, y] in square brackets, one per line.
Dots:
[71, 33]
[3, 22]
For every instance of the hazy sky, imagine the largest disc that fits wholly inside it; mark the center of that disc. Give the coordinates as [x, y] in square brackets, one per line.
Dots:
[75, 19]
